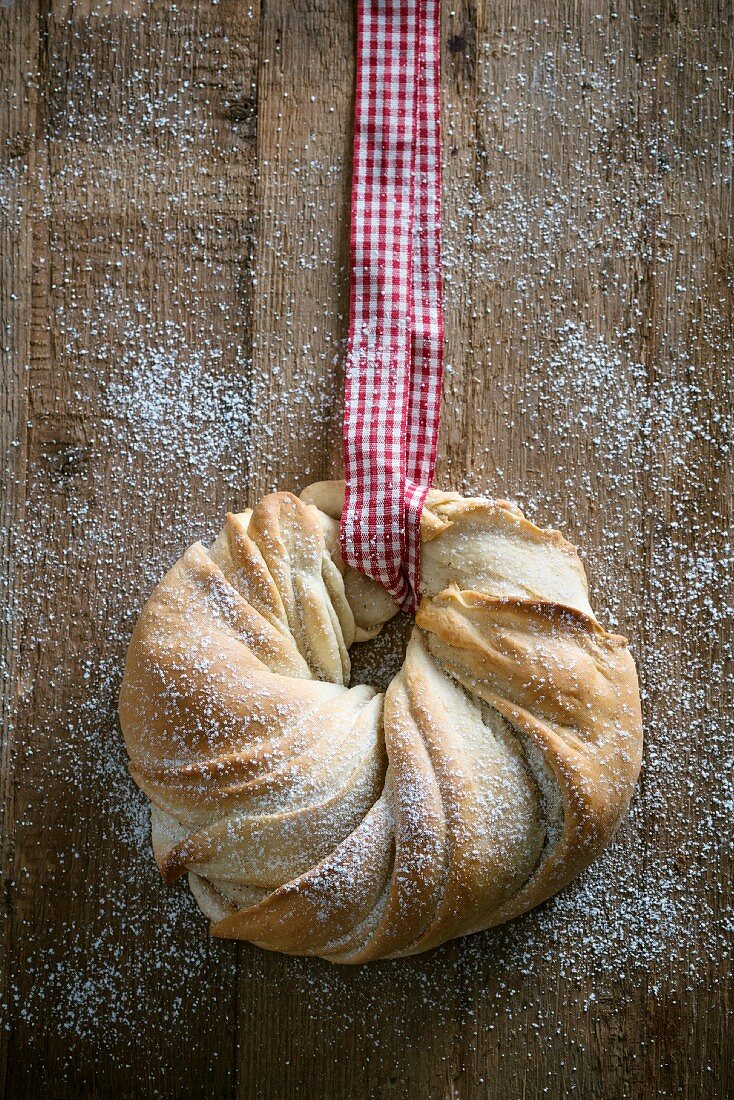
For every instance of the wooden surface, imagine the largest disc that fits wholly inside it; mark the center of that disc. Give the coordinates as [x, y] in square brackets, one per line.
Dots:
[173, 236]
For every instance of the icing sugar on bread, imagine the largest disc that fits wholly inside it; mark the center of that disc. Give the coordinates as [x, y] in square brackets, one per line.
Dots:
[317, 818]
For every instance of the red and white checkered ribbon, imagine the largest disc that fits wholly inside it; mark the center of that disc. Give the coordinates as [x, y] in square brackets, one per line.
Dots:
[395, 351]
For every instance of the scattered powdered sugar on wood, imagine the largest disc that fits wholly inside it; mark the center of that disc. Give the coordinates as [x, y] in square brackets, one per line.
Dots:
[164, 387]
[164, 413]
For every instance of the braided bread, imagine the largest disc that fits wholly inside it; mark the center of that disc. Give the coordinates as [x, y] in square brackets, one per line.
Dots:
[315, 818]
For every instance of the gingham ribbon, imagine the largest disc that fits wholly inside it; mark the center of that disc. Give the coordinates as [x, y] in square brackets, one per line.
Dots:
[395, 350]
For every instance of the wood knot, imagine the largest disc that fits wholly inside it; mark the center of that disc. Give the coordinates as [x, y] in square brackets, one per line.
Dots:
[65, 462]
[241, 111]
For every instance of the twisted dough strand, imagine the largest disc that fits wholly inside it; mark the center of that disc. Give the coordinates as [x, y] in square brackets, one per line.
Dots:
[320, 819]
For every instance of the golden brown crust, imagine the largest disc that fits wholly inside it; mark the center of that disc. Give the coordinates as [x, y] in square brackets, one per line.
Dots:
[318, 819]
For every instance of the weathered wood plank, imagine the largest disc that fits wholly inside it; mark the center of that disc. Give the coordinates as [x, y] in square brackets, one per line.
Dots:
[18, 58]
[142, 196]
[306, 77]
[558, 210]
[187, 184]
[689, 491]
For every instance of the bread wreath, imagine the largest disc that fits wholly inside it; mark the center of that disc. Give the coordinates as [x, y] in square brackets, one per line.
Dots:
[315, 818]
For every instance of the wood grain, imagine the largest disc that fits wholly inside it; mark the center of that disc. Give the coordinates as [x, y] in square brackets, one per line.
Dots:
[19, 51]
[173, 238]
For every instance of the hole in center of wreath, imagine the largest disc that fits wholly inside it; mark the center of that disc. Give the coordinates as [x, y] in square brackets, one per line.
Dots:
[378, 661]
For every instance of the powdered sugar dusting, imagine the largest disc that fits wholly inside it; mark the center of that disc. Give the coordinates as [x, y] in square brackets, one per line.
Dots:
[615, 438]
[164, 388]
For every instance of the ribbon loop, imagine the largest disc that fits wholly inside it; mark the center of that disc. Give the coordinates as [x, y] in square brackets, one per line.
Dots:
[395, 350]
